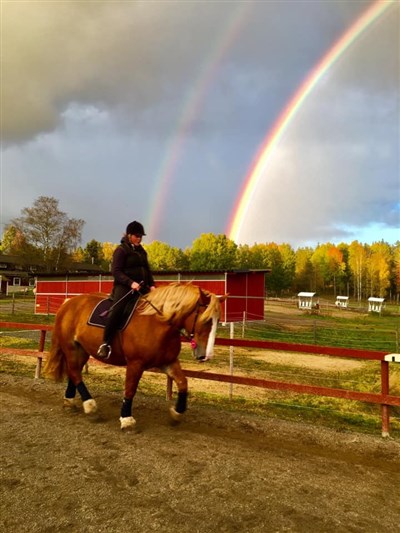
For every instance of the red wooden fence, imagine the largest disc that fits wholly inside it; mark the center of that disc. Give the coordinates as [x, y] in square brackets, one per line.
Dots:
[383, 398]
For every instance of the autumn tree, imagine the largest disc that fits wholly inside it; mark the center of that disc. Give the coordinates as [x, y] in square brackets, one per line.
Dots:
[304, 270]
[164, 257]
[336, 266]
[107, 253]
[93, 252]
[273, 260]
[358, 266]
[320, 262]
[49, 230]
[396, 269]
[14, 242]
[378, 268]
[78, 255]
[244, 257]
[213, 252]
[288, 264]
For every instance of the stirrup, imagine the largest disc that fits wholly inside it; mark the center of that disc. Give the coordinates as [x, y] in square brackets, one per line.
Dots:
[104, 351]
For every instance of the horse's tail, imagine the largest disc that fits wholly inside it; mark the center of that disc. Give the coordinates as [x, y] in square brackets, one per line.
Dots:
[55, 367]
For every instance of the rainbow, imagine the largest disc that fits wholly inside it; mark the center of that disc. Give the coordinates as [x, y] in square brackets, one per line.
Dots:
[189, 113]
[264, 155]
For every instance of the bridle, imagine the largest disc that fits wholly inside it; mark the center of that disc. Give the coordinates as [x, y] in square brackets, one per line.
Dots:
[190, 336]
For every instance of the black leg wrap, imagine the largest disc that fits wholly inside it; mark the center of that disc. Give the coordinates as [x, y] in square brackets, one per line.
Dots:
[85, 394]
[71, 390]
[181, 402]
[126, 409]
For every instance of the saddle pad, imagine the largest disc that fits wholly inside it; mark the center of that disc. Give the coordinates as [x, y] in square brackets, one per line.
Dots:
[96, 318]
[99, 314]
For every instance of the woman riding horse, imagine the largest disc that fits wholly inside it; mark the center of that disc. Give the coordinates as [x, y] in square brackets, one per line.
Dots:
[131, 272]
[152, 339]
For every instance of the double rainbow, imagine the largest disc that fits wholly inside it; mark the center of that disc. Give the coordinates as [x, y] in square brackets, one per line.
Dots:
[190, 111]
[264, 155]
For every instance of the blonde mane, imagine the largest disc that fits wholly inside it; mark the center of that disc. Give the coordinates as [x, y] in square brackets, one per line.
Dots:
[174, 301]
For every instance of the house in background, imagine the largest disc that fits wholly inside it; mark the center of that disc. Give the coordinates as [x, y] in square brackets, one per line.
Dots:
[15, 275]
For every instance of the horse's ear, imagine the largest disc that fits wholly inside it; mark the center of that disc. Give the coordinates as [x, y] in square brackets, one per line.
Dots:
[223, 298]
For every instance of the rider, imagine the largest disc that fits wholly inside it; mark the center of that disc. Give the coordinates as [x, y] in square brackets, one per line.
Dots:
[131, 272]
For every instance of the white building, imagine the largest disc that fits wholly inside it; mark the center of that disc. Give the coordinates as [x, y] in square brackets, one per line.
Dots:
[375, 304]
[306, 300]
[342, 301]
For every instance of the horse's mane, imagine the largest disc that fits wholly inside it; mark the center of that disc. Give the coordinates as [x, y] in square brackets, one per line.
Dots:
[172, 302]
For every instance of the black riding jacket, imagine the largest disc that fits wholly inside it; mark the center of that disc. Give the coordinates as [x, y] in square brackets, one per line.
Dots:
[130, 264]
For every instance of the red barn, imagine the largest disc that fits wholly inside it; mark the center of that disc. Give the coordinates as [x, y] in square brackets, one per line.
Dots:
[246, 289]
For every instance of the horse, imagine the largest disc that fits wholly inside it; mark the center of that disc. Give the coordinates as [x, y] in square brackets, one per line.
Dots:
[151, 339]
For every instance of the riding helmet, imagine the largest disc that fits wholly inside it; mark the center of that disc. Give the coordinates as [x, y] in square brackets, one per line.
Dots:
[135, 228]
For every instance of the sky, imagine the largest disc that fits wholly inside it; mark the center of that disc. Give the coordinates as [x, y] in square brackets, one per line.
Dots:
[159, 111]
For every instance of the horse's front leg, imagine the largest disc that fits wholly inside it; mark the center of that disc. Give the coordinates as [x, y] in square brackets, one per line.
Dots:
[134, 372]
[175, 372]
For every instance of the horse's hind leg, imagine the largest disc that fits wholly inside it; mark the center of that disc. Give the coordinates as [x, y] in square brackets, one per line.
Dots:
[75, 363]
[175, 372]
[70, 393]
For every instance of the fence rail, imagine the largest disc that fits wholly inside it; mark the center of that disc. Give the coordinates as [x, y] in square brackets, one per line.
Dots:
[384, 399]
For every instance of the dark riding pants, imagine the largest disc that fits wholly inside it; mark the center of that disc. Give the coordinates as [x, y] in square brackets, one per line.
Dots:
[114, 318]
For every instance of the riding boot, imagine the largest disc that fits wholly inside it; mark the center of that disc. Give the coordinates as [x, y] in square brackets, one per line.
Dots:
[113, 321]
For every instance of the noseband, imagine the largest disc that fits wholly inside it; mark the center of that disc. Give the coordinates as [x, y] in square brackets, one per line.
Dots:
[190, 336]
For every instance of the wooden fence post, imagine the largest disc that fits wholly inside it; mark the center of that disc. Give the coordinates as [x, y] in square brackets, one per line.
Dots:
[385, 390]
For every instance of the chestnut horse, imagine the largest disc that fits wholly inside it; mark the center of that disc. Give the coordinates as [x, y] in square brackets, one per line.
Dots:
[152, 339]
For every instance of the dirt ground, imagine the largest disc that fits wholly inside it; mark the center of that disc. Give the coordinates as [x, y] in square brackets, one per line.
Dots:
[215, 472]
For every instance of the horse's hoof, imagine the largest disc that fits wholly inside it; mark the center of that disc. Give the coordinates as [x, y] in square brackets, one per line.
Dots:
[176, 417]
[69, 403]
[90, 406]
[127, 422]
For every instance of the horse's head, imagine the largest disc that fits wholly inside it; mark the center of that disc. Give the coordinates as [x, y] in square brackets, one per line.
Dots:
[201, 324]
[190, 309]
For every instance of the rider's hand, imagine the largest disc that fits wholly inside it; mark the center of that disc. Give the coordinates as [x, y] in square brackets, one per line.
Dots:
[135, 286]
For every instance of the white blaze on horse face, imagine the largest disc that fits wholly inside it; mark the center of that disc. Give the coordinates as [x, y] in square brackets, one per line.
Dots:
[211, 339]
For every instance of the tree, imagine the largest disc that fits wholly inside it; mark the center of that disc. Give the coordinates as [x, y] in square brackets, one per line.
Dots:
[304, 274]
[336, 265]
[396, 269]
[273, 260]
[244, 256]
[93, 252]
[107, 252]
[288, 264]
[13, 241]
[78, 255]
[378, 268]
[345, 277]
[164, 257]
[213, 252]
[49, 230]
[358, 265]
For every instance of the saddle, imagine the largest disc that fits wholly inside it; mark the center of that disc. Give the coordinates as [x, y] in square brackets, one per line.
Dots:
[99, 314]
